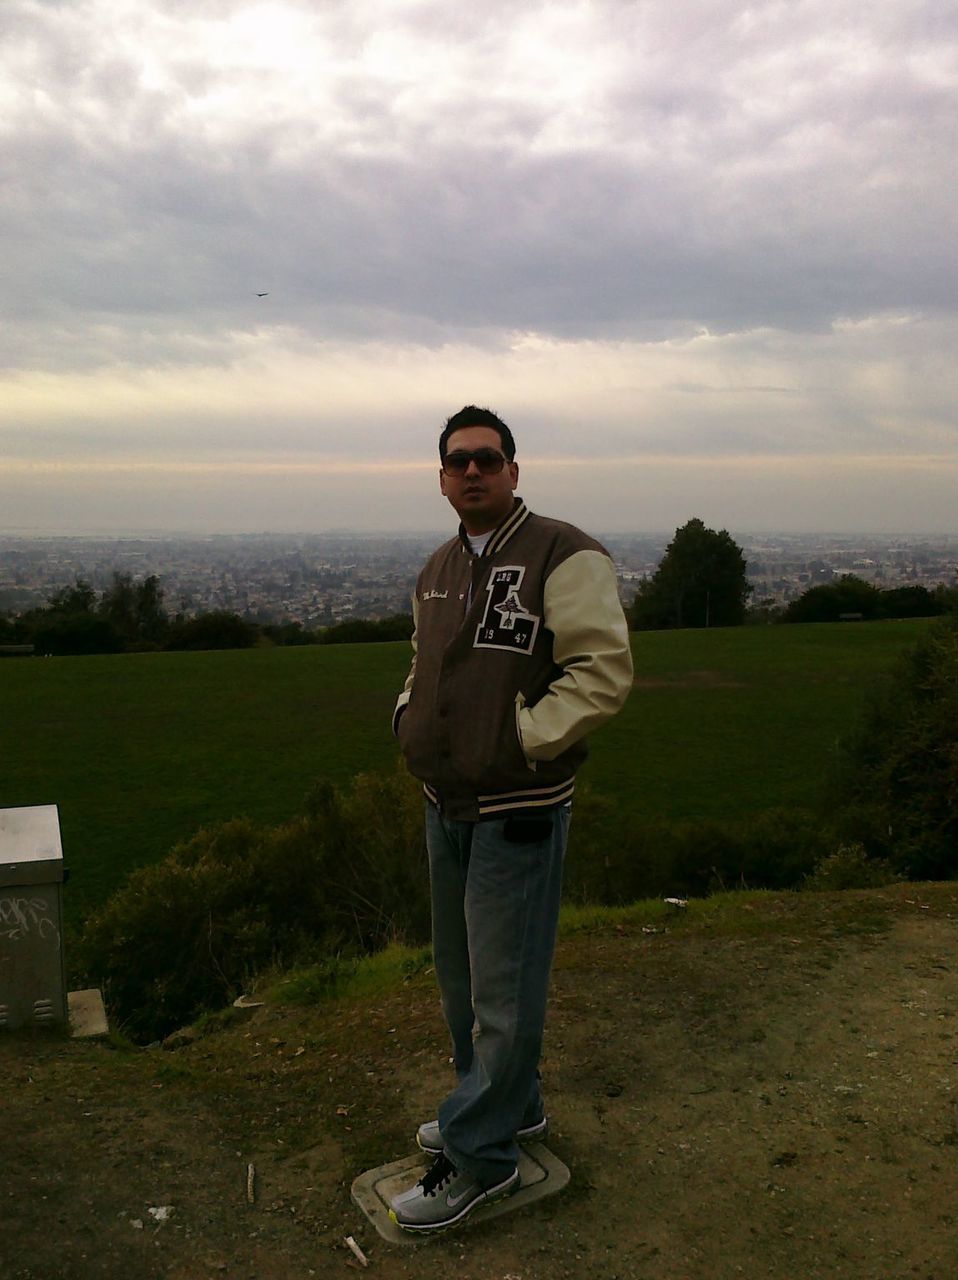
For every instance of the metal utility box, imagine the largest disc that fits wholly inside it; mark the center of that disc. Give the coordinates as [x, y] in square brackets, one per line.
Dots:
[32, 983]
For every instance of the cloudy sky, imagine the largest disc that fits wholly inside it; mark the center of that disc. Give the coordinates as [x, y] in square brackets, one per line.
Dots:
[701, 256]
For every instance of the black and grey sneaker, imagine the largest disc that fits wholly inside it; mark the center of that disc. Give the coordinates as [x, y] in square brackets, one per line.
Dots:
[429, 1139]
[444, 1196]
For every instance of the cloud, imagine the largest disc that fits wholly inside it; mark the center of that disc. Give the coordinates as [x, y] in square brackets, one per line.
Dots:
[883, 384]
[576, 170]
[721, 229]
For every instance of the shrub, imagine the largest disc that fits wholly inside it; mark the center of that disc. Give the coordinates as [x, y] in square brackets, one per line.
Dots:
[898, 779]
[189, 933]
[75, 634]
[612, 866]
[288, 633]
[829, 600]
[369, 630]
[218, 630]
[910, 602]
[850, 867]
[770, 850]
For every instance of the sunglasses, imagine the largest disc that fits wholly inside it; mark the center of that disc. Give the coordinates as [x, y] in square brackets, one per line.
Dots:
[488, 462]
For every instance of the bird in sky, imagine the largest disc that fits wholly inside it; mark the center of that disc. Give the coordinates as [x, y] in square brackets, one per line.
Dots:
[263, 295]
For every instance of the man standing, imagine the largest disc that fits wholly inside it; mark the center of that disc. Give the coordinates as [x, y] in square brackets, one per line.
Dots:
[520, 649]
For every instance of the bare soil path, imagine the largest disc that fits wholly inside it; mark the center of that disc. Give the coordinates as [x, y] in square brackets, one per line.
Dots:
[771, 1093]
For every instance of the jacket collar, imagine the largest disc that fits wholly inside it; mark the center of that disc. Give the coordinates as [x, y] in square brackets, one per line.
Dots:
[502, 533]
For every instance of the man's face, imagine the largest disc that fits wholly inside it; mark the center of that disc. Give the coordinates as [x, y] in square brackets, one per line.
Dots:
[481, 502]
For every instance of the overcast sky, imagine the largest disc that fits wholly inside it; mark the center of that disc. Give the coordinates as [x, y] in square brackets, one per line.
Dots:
[700, 256]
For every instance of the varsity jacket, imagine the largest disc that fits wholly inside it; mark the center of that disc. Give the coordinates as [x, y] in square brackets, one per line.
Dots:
[517, 654]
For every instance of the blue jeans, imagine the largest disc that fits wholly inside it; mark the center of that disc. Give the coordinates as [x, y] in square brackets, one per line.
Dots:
[496, 888]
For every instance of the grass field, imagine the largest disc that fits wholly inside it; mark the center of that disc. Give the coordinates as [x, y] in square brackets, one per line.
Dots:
[140, 750]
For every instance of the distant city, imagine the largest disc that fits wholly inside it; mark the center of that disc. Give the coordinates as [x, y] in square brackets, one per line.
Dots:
[321, 579]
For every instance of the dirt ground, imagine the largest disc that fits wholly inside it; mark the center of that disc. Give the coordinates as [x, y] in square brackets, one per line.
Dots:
[768, 1093]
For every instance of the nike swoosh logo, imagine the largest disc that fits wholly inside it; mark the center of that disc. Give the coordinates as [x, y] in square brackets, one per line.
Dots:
[453, 1201]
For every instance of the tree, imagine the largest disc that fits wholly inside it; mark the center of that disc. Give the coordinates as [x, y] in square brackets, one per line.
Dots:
[136, 608]
[151, 618]
[80, 598]
[69, 624]
[700, 582]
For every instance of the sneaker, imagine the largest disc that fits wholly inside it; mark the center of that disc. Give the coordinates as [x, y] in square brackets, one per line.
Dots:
[444, 1196]
[429, 1139]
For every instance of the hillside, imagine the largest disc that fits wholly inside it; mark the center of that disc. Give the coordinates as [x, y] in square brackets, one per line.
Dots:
[766, 1088]
[140, 750]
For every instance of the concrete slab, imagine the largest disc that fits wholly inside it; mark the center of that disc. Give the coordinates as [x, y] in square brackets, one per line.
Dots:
[541, 1174]
[87, 1014]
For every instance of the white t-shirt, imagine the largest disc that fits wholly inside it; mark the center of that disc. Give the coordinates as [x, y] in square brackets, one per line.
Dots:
[477, 544]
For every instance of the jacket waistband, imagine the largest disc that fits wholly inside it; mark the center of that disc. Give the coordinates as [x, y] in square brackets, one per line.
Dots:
[506, 802]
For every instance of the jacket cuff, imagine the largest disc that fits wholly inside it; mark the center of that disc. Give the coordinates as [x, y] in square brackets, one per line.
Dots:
[401, 706]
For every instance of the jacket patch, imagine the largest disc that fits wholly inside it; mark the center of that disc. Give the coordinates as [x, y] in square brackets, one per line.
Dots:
[506, 623]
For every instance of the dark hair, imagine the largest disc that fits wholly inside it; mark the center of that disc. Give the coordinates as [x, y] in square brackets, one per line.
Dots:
[472, 416]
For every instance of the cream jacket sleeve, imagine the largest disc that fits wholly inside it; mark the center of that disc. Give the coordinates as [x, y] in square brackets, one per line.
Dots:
[583, 612]
[403, 700]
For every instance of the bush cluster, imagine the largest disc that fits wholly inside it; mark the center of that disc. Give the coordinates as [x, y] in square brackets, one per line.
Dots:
[851, 596]
[190, 932]
[611, 866]
[897, 788]
[850, 867]
[349, 876]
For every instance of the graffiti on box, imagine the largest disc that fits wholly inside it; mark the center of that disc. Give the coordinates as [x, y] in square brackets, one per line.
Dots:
[21, 917]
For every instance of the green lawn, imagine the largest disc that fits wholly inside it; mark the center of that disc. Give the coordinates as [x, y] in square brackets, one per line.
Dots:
[729, 722]
[140, 750]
